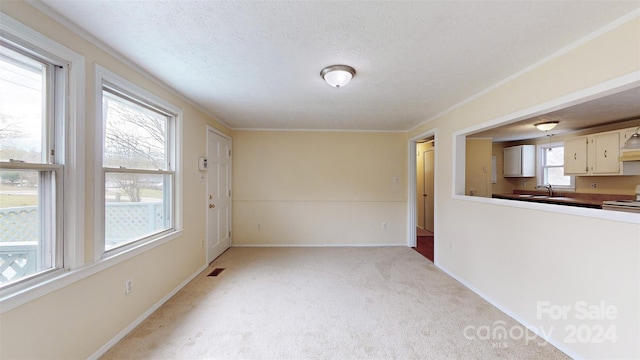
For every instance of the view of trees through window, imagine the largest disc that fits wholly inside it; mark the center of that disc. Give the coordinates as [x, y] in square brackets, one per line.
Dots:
[27, 188]
[138, 179]
[135, 138]
[21, 120]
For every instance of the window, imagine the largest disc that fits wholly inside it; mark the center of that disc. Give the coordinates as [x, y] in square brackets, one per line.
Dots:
[551, 166]
[138, 165]
[31, 163]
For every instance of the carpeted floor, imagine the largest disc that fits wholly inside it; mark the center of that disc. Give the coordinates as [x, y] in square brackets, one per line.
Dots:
[325, 303]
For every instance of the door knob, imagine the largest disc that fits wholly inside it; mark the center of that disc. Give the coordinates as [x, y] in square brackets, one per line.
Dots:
[211, 206]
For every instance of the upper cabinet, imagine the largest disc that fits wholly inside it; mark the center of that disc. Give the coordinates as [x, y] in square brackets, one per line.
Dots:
[520, 161]
[575, 156]
[606, 148]
[597, 154]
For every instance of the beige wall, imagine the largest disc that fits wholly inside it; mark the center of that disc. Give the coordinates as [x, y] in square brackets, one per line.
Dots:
[77, 320]
[518, 255]
[478, 167]
[503, 185]
[319, 188]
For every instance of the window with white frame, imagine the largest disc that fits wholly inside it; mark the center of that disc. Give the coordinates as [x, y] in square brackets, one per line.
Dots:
[551, 166]
[32, 120]
[138, 165]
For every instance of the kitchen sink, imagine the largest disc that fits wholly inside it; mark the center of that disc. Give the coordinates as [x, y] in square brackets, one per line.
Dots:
[530, 196]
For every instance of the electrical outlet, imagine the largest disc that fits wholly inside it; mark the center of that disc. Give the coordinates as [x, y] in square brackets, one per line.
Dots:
[202, 243]
[259, 226]
[593, 185]
[128, 287]
[524, 184]
[396, 180]
[384, 225]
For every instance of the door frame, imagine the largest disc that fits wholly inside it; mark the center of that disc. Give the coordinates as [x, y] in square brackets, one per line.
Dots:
[413, 177]
[206, 200]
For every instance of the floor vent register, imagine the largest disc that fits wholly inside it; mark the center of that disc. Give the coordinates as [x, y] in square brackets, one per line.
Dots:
[216, 272]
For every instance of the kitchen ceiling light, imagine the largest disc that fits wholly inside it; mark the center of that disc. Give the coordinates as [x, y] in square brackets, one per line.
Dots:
[546, 126]
[633, 142]
[338, 75]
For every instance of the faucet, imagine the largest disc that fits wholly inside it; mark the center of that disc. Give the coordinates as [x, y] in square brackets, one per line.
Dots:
[548, 187]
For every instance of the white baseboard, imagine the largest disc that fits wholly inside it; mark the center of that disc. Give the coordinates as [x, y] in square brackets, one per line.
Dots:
[146, 314]
[560, 346]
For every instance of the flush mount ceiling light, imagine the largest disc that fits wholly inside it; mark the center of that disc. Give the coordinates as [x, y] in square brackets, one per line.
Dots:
[338, 75]
[546, 126]
[633, 142]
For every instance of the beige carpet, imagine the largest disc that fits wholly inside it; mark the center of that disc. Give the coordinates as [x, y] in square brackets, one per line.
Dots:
[324, 303]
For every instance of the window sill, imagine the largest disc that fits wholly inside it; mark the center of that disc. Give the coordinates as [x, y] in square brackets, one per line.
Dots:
[40, 286]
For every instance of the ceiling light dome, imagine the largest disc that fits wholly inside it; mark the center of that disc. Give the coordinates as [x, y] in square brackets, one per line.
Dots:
[546, 126]
[338, 75]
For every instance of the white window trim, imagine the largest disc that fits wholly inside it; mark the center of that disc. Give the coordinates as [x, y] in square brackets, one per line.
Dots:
[102, 77]
[541, 148]
[73, 151]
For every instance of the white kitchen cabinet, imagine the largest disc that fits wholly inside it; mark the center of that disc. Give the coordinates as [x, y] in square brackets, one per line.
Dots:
[520, 161]
[596, 154]
[575, 156]
[606, 158]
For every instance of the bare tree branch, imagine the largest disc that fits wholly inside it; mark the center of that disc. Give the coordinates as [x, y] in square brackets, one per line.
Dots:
[134, 139]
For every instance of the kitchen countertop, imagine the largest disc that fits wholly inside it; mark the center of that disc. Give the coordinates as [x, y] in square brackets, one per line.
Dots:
[563, 198]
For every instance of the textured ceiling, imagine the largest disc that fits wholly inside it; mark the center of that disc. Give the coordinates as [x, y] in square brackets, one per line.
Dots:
[618, 107]
[256, 64]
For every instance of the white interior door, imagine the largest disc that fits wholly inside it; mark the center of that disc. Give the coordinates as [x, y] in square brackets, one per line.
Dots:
[218, 195]
[420, 195]
[428, 189]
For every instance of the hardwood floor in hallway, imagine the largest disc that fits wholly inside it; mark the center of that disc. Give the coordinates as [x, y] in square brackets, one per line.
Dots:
[424, 243]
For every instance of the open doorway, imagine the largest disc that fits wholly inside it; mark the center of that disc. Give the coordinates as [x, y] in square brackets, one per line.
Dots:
[425, 170]
[424, 183]
[422, 209]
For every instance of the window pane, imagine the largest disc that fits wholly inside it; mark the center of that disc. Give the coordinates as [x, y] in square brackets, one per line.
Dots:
[135, 136]
[555, 156]
[555, 176]
[21, 107]
[137, 205]
[25, 248]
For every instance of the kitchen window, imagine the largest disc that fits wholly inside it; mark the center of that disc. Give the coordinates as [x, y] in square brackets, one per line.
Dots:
[138, 170]
[551, 167]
